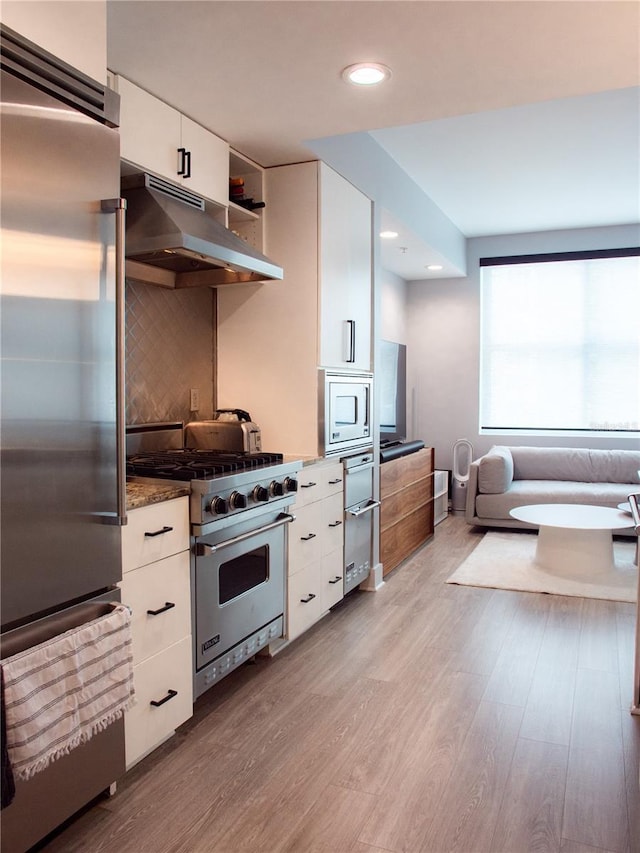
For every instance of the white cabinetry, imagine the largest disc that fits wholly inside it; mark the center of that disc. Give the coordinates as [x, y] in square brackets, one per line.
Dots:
[316, 551]
[159, 139]
[156, 586]
[440, 496]
[345, 273]
[272, 338]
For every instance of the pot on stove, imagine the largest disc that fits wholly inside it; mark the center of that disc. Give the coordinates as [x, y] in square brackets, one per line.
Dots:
[230, 429]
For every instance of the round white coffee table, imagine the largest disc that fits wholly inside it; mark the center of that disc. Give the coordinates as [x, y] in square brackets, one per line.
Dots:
[574, 539]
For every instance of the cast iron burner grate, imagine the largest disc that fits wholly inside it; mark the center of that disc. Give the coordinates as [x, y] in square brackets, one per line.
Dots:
[196, 464]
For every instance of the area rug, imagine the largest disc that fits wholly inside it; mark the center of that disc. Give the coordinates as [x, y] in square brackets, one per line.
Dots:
[506, 561]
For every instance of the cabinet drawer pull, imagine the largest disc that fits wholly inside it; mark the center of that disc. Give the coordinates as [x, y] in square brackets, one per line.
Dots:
[335, 523]
[170, 695]
[336, 579]
[307, 485]
[335, 482]
[182, 152]
[167, 606]
[309, 598]
[185, 163]
[361, 511]
[350, 341]
[165, 529]
[306, 538]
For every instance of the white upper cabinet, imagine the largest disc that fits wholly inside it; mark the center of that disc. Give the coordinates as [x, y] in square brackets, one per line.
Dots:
[208, 161]
[273, 337]
[159, 139]
[150, 131]
[345, 273]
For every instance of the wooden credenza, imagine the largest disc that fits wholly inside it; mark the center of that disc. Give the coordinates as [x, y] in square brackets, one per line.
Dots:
[406, 515]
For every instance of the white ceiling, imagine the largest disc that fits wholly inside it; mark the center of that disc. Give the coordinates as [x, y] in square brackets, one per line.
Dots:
[511, 115]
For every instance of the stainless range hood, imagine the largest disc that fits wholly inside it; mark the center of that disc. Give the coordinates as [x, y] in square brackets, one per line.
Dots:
[173, 241]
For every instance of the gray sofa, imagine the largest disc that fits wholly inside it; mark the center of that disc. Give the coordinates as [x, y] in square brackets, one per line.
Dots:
[508, 477]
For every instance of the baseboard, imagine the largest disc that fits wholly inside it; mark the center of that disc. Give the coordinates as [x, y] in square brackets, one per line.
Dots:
[374, 582]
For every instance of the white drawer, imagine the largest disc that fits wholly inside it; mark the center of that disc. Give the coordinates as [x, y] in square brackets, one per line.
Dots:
[305, 536]
[333, 478]
[333, 523]
[163, 586]
[154, 532]
[304, 600]
[332, 570]
[316, 482]
[309, 487]
[146, 725]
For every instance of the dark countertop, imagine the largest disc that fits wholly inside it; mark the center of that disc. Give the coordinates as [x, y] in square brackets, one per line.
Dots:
[144, 494]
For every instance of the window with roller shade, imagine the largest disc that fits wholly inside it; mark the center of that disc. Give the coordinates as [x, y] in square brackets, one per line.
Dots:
[560, 342]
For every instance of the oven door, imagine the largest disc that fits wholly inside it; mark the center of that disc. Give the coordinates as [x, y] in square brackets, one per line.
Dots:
[239, 584]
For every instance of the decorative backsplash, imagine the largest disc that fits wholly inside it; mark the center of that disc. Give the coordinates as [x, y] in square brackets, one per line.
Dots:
[170, 349]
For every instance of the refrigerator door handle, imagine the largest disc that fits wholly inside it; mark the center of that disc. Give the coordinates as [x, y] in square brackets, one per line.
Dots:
[119, 206]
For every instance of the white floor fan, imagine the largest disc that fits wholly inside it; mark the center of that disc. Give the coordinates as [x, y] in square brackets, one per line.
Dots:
[462, 458]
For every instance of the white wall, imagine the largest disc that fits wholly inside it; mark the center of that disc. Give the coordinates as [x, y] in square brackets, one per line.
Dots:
[393, 323]
[361, 160]
[75, 32]
[443, 329]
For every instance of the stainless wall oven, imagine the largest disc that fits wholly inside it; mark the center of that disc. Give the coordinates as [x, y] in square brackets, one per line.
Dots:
[346, 411]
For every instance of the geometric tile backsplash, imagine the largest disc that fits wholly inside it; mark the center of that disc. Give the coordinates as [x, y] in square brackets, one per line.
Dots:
[170, 348]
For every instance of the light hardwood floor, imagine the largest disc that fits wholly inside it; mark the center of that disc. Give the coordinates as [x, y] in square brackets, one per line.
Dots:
[424, 717]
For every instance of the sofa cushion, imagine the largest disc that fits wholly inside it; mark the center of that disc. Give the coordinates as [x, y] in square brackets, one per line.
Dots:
[575, 464]
[495, 471]
[525, 492]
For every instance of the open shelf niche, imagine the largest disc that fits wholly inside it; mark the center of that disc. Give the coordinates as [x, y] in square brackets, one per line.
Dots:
[247, 224]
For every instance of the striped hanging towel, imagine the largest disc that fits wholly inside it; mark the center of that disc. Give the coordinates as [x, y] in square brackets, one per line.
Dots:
[59, 693]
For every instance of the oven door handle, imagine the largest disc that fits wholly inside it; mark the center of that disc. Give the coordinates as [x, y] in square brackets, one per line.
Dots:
[357, 512]
[203, 550]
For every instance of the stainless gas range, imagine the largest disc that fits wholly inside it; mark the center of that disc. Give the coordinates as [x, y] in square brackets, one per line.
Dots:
[238, 514]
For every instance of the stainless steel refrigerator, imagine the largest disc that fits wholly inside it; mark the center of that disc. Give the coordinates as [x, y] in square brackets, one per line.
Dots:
[62, 432]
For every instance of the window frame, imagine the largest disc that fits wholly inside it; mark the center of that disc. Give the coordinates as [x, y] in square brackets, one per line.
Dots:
[538, 258]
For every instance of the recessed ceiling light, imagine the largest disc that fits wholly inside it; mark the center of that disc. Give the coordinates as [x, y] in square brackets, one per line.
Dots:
[388, 235]
[366, 73]
[434, 267]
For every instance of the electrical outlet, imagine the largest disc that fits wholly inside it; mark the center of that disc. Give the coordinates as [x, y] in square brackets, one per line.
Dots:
[194, 400]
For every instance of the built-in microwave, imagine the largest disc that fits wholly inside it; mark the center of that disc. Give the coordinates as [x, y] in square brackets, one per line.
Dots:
[346, 411]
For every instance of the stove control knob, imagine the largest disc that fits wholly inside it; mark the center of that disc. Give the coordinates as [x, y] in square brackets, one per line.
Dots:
[237, 500]
[276, 489]
[260, 494]
[219, 506]
[290, 484]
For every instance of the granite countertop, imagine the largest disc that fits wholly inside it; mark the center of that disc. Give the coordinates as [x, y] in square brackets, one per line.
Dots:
[305, 460]
[144, 494]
